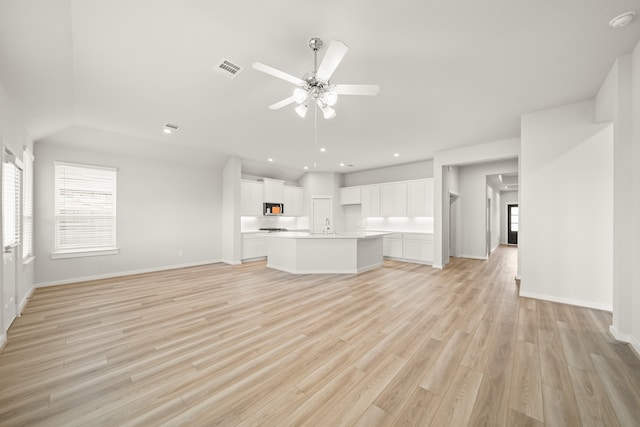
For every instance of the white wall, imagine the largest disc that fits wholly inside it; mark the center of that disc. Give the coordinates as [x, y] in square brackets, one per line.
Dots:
[474, 154]
[13, 134]
[506, 198]
[403, 172]
[165, 206]
[496, 213]
[472, 228]
[231, 202]
[632, 289]
[566, 235]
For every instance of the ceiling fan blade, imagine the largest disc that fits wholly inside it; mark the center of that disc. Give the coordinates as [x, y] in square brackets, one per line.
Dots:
[277, 73]
[369, 90]
[331, 60]
[278, 105]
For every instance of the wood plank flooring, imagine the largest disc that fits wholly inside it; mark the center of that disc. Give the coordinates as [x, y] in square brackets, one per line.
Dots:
[401, 345]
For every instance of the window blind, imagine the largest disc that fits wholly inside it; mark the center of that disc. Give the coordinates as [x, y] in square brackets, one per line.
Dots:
[85, 208]
[11, 177]
[27, 205]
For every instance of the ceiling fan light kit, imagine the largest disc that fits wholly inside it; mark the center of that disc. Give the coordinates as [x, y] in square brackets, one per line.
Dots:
[315, 85]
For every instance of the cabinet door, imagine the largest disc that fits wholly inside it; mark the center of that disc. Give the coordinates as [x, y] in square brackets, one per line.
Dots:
[370, 201]
[392, 247]
[273, 191]
[350, 196]
[393, 199]
[293, 197]
[416, 198]
[428, 194]
[254, 247]
[411, 249]
[418, 247]
[250, 198]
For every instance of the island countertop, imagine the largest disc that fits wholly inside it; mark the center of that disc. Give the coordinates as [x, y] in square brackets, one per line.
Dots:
[345, 235]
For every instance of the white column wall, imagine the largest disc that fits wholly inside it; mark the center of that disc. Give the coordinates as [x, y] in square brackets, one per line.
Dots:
[632, 290]
[566, 233]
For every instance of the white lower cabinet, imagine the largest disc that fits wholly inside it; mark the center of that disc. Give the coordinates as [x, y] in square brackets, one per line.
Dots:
[414, 247]
[418, 247]
[253, 246]
[392, 245]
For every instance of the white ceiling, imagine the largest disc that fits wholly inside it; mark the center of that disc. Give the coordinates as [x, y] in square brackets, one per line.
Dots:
[452, 72]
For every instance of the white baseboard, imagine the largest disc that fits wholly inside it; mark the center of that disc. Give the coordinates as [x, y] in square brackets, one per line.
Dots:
[562, 300]
[122, 273]
[482, 258]
[231, 262]
[629, 339]
[438, 266]
[3, 341]
[25, 300]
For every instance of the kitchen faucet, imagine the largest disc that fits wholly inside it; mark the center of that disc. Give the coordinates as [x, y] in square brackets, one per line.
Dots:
[327, 224]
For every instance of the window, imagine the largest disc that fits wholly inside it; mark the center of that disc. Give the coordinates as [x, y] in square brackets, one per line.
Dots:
[11, 182]
[85, 210]
[27, 206]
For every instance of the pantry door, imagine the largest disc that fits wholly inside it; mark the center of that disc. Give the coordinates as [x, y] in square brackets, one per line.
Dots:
[321, 214]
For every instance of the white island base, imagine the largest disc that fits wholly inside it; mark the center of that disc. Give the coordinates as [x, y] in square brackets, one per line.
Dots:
[305, 253]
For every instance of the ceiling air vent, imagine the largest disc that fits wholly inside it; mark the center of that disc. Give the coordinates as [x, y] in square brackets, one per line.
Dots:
[228, 68]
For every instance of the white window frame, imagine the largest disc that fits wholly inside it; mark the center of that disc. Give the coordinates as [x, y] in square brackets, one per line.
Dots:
[27, 207]
[76, 249]
[10, 161]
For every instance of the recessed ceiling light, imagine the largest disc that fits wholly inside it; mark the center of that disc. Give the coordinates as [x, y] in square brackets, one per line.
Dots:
[622, 20]
[396, 154]
[323, 149]
[166, 130]
[306, 167]
[270, 159]
[341, 164]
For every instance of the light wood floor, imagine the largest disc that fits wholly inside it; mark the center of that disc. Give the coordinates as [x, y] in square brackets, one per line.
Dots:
[244, 345]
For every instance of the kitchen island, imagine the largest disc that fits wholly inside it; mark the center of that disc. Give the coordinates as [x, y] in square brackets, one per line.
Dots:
[310, 253]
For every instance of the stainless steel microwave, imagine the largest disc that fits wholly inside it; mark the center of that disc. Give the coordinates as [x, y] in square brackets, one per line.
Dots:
[273, 209]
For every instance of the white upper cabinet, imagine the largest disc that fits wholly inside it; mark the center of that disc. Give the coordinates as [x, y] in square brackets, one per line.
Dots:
[420, 197]
[350, 196]
[293, 201]
[370, 200]
[393, 199]
[273, 191]
[251, 193]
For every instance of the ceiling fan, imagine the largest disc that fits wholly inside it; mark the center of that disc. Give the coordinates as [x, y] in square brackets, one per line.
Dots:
[315, 87]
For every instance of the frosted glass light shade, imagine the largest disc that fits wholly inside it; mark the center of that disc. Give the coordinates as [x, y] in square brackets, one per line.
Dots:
[301, 110]
[300, 95]
[329, 113]
[331, 98]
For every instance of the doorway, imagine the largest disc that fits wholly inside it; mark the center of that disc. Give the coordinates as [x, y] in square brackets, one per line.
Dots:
[453, 224]
[512, 224]
[321, 214]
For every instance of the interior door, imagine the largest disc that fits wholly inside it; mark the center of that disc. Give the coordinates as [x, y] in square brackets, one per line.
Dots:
[512, 224]
[9, 297]
[321, 214]
[11, 234]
